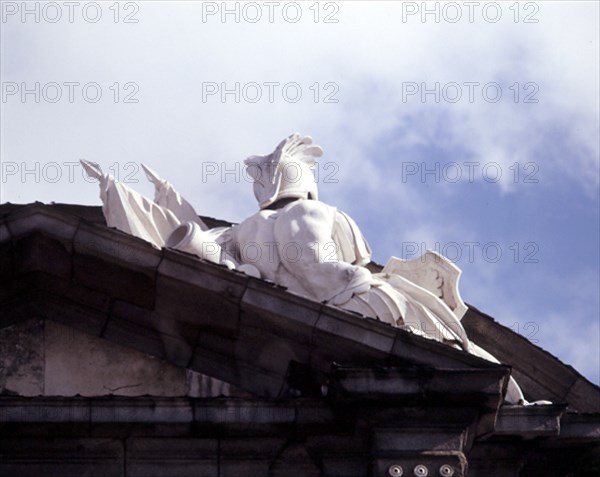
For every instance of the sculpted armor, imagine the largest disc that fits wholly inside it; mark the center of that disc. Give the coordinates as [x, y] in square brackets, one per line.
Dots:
[286, 173]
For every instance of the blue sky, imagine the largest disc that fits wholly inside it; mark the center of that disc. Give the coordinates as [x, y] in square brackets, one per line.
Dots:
[528, 242]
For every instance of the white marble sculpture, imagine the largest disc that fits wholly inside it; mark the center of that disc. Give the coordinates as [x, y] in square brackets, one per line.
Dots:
[310, 247]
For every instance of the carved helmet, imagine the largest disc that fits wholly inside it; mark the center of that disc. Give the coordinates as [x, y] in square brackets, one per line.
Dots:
[286, 172]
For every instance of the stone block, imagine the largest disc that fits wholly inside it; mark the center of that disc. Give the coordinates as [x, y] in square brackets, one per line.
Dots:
[198, 309]
[424, 438]
[584, 396]
[199, 385]
[233, 466]
[282, 314]
[37, 252]
[89, 213]
[112, 279]
[243, 415]
[493, 460]
[117, 247]
[85, 296]
[411, 348]
[345, 465]
[295, 461]
[214, 355]
[341, 455]
[160, 457]
[529, 421]
[6, 261]
[141, 411]
[90, 366]
[44, 417]
[262, 349]
[204, 275]
[22, 358]
[5, 236]
[227, 368]
[60, 457]
[130, 334]
[315, 414]
[72, 315]
[580, 426]
[41, 218]
[239, 456]
[346, 339]
[15, 307]
[116, 264]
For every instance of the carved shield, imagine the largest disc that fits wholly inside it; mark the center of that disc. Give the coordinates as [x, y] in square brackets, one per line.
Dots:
[433, 272]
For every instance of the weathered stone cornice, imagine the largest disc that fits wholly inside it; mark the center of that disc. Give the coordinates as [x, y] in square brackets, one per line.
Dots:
[187, 311]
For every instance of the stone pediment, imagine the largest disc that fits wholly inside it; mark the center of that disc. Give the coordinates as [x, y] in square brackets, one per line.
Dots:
[314, 390]
[61, 262]
[188, 312]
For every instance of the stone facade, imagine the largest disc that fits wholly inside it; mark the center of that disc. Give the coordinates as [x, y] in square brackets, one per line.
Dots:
[44, 358]
[118, 359]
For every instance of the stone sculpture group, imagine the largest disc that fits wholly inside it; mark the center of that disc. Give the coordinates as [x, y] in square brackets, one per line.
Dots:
[297, 241]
